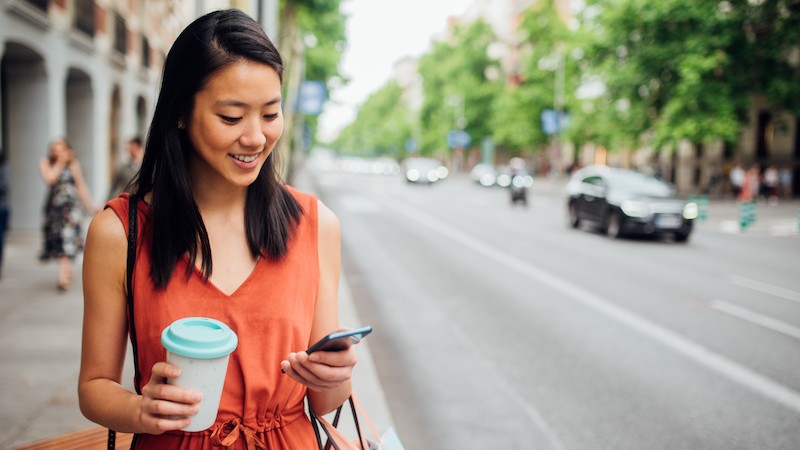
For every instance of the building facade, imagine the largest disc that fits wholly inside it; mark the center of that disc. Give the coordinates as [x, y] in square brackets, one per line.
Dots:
[87, 70]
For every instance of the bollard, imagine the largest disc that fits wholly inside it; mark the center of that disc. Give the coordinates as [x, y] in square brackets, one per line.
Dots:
[743, 215]
[747, 214]
[703, 206]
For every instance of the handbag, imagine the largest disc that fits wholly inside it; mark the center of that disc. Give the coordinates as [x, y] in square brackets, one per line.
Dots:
[336, 440]
[133, 227]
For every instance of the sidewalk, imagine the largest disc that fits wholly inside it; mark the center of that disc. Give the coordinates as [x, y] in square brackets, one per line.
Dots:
[40, 338]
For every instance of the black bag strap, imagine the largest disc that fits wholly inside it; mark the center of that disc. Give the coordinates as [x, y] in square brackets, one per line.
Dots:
[133, 230]
[330, 442]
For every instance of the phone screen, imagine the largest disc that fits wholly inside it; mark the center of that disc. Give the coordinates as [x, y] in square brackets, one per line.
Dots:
[340, 340]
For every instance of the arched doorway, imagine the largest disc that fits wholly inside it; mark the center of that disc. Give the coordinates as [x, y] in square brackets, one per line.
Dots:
[80, 120]
[141, 117]
[114, 154]
[25, 130]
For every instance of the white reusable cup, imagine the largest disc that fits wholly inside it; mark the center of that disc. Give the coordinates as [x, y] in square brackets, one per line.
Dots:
[200, 347]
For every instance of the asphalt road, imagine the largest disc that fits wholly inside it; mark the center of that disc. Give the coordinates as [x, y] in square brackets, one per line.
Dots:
[500, 327]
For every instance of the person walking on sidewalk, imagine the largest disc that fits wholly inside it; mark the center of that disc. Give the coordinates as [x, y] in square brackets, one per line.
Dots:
[221, 237]
[127, 171]
[61, 225]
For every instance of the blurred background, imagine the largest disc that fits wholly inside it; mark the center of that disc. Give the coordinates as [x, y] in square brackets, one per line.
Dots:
[459, 142]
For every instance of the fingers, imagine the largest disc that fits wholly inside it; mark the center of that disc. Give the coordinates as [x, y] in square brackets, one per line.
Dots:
[322, 370]
[164, 406]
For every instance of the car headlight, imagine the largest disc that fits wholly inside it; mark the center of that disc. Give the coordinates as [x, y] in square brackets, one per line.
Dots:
[442, 172]
[633, 208]
[433, 176]
[504, 180]
[690, 211]
[412, 175]
[487, 179]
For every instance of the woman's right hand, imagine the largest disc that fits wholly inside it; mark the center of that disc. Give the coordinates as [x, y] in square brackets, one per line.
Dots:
[161, 401]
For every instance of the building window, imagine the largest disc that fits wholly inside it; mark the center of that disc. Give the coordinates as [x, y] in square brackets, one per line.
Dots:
[145, 52]
[120, 34]
[84, 16]
[40, 4]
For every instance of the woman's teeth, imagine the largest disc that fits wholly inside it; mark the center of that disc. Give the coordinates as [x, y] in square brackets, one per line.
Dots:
[245, 158]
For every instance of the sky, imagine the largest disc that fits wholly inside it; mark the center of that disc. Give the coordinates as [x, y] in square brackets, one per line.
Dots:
[379, 33]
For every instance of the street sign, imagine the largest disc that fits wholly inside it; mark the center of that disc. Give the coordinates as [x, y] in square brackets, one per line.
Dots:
[458, 139]
[312, 96]
[553, 122]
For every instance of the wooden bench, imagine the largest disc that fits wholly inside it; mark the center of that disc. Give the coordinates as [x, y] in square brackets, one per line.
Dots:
[91, 439]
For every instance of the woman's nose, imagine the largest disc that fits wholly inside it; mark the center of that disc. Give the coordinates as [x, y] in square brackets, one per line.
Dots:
[253, 134]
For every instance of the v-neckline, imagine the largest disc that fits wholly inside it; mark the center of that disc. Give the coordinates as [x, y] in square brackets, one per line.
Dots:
[207, 281]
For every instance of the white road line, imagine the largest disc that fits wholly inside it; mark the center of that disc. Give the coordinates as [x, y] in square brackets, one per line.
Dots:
[756, 318]
[764, 287]
[701, 355]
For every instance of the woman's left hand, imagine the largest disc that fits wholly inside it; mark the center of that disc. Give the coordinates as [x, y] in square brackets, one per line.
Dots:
[321, 370]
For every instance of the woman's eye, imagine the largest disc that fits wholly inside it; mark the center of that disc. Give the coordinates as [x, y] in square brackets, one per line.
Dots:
[230, 119]
[271, 116]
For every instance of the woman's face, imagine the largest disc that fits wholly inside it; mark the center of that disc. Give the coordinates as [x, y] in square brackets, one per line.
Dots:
[59, 150]
[235, 123]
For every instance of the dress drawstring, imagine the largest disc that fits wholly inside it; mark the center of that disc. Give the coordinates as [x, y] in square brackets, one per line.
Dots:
[228, 433]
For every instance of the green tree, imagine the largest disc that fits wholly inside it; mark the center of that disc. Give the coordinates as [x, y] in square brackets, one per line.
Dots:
[381, 127]
[311, 41]
[547, 72]
[455, 84]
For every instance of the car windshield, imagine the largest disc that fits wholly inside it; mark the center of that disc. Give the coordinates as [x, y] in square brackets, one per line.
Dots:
[639, 183]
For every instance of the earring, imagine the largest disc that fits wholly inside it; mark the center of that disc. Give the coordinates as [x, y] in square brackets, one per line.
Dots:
[181, 125]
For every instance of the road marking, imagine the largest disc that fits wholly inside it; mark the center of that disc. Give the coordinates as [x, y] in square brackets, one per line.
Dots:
[756, 318]
[701, 355]
[764, 287]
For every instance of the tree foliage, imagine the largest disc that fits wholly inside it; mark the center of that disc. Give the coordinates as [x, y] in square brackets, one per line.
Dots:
[382, 126]
[454, 82]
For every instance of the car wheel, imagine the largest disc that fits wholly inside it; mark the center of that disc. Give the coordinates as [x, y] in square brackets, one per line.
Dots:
[681, 237]
[574, 221]
[613, 225]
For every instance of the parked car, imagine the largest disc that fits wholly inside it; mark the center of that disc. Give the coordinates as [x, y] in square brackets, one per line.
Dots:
[625, 202]
[424, 170]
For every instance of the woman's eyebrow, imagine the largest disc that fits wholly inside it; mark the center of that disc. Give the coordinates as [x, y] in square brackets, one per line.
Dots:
[241, 104]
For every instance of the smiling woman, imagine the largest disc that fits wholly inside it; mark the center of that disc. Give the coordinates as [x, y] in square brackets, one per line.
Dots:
[209, 188]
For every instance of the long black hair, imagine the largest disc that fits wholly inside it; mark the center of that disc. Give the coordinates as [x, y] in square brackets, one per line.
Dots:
[209, 44]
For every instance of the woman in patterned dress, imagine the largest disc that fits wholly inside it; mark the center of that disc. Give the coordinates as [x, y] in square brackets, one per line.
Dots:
[61, 225]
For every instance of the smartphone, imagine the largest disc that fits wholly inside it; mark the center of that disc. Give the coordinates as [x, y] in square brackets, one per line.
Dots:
[340, 340]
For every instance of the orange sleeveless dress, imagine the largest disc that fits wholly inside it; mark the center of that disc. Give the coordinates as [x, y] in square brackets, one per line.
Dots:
[271, 312]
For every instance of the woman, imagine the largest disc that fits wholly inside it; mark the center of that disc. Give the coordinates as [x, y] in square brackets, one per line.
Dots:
[61, 227]
[220, 237]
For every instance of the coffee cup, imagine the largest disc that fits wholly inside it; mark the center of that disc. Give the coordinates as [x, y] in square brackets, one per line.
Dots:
[201, 348]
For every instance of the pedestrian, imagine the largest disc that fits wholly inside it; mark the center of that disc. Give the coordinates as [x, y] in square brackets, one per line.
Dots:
[786, 181]
[737, 179]
[770, 182]
[5, 204]
[128, 170]
[211, 198]
[61, 224]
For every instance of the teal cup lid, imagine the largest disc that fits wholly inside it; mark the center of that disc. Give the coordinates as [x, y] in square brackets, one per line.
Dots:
[199, 337]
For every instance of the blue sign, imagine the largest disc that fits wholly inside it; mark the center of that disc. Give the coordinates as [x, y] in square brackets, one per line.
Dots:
[553, 122]
[312, 97]
[458, 139]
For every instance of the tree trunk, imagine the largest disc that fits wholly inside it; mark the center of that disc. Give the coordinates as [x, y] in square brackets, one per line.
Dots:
[293, 52]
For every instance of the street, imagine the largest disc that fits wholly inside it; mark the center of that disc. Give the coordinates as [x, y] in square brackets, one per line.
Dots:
[498, 326]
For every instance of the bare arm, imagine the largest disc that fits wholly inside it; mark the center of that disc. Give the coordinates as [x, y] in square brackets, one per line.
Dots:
[102, 398]
[327, 374]
[51, 172]
[83, 191]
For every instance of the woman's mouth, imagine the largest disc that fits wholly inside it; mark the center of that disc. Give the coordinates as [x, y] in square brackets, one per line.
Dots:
[244, 158]
[245, 162]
